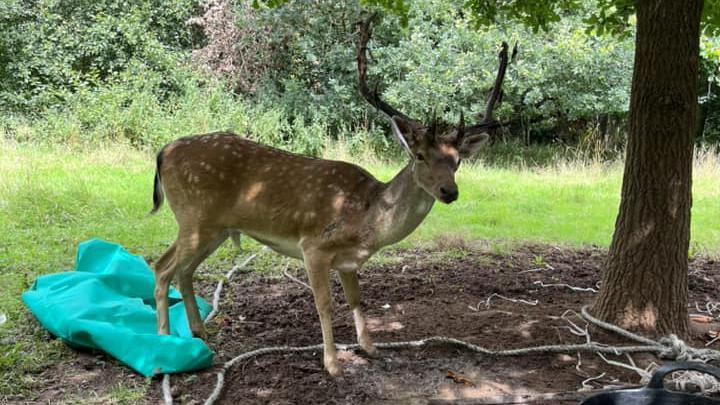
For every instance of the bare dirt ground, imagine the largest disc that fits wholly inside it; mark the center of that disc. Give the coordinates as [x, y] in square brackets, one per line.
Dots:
[415, 295]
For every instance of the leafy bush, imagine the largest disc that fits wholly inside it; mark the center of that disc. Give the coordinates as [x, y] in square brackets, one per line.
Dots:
[51, 48]
[87, 72]
[129, 109]
[442, 62]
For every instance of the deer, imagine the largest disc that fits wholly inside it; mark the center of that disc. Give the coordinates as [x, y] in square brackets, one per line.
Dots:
[332, 215]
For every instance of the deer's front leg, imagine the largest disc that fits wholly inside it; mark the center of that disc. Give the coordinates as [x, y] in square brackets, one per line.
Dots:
[351, 286]
[317, 265]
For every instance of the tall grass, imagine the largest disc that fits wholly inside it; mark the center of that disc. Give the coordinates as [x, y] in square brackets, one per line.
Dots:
[135, 110]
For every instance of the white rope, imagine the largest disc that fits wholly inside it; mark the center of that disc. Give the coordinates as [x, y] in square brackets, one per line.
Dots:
[287, 274]
[710, 309]
[583, 289]
[514, 300]
[220, 284]
[166, 389]
[644, 374]
[669, 347]
[688, 380]
[586, 382]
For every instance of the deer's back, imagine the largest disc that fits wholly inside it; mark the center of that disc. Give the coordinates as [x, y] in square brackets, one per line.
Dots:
[223, 180]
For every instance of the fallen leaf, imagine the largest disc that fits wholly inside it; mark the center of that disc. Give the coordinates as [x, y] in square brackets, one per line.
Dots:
[458, 379]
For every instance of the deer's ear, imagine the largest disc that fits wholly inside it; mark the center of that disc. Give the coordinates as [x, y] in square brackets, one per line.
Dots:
[405, 131]
[471, 144]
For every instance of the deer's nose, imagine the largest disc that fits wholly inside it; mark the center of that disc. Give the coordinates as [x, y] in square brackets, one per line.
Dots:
[448, 194]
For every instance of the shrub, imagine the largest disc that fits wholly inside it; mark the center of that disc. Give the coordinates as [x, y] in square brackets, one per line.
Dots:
[51, 48]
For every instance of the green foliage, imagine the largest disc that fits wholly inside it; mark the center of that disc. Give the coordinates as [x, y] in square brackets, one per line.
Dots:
[315, 76]
[51, 47]
[117, 71]
[400, 8]
[562, 75]
[709, 88]
[535, 14]
[441, 62]
[129, 110]
[568, 83]
[711, 16]
[612, 16]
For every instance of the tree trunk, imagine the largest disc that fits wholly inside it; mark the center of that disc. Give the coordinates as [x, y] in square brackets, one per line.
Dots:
[645, 280]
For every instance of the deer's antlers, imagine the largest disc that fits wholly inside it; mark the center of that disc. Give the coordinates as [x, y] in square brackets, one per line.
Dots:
[489, 123]
[372, 97]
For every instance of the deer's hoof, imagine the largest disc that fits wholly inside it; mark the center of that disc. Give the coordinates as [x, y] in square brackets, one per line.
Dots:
[371, 351]
[200, 333]
[333, 368]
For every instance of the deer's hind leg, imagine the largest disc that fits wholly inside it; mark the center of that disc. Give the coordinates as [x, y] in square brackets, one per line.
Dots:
[164, 271]
[183, 257]
[185, 282]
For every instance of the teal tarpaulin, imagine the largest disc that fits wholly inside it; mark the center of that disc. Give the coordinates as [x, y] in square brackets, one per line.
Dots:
[108, 303]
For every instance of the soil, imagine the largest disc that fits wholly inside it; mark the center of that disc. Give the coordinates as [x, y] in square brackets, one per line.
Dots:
[417, 294]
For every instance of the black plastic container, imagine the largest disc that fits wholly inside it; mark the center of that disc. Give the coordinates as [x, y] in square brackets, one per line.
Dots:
[654, 393]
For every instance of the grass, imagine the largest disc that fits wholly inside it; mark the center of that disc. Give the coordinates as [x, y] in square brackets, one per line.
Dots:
[52, 198]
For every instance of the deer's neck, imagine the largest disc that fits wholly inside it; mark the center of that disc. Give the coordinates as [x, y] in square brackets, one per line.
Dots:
[401, 206]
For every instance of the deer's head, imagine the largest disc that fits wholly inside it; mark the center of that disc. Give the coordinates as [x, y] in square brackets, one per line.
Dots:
[435, 148]
[437, 151]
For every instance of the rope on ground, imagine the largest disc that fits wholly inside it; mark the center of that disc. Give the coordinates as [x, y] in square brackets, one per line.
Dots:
[581, 289]
[676, 350]
[220, 284]
[670, 347]
[688, 380]
[293, 278]
[166, 389]
[502, 297]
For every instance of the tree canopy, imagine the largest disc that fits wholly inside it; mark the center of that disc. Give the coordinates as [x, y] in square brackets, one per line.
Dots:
[297, 64]
[608, 15]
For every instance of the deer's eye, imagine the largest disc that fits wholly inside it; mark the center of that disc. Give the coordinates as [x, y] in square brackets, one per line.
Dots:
[420, 157]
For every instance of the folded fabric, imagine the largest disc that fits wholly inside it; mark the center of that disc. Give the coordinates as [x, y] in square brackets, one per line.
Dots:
[108, 304]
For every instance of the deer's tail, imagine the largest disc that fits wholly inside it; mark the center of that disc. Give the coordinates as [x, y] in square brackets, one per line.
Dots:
[158, 195]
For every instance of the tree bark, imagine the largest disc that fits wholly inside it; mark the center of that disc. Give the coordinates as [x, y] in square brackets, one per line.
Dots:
[645, 281]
